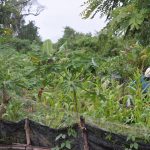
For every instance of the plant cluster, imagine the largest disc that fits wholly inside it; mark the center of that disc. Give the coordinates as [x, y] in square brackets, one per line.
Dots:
[97, 76]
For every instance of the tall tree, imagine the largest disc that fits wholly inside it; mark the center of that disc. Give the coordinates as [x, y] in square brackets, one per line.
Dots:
[12, 13]
[68, 35]
[29, 31]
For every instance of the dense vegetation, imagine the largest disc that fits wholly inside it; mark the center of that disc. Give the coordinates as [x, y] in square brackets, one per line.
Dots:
[94, 76]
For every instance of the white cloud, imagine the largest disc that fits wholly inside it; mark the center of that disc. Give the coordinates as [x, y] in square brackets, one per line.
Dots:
[61, 13]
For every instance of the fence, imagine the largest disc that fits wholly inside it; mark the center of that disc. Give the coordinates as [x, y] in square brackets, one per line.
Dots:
[29, 135]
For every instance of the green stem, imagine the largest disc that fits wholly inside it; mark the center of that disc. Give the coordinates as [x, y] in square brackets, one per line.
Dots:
[75, 101]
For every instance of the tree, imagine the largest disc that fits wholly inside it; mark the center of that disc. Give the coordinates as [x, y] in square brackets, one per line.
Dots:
[104, 7]
[12, 13]
[29, 31]
[128, 18]
[74, 40]
[133, 21]
[9, 16]
[68, 35]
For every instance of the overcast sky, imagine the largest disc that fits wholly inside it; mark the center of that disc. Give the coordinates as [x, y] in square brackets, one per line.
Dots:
[61, 13]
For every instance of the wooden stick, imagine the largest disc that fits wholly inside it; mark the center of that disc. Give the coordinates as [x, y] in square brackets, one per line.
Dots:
[27, 130]
[84, 133]
[21, 147]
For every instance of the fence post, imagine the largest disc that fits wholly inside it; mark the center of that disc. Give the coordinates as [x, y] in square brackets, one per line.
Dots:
[27, 130]
[84, 133]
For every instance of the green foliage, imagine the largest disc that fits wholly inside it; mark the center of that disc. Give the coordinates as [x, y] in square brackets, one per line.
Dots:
[80, 81]
[133, 145]
[20, 45]
[73, 40]
[29, 32]
[14, 67]
[66, 144]
[98, 93]
[104, 7]
[69, 35]
[12, 13]
[47, 48]
[109, 45]
[9, 15]
[96, 76]
[129, 18]
[14, 111]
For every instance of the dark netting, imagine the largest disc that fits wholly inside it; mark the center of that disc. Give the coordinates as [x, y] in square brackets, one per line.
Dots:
[43, 136]
[11, 132]
[99, 139]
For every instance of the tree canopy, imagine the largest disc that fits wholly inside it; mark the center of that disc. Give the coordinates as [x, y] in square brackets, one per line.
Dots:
[12, 13]
[128, 18]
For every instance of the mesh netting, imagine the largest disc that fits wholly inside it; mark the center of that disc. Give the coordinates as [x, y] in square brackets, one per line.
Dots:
[44, 136]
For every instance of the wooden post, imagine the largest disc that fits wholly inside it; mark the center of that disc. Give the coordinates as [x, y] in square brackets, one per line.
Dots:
[27, 130]
[84, 133]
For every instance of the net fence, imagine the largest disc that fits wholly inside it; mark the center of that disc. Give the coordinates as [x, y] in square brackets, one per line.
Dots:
[77, 136]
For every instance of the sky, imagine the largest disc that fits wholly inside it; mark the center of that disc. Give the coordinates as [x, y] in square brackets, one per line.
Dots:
[61, 13]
